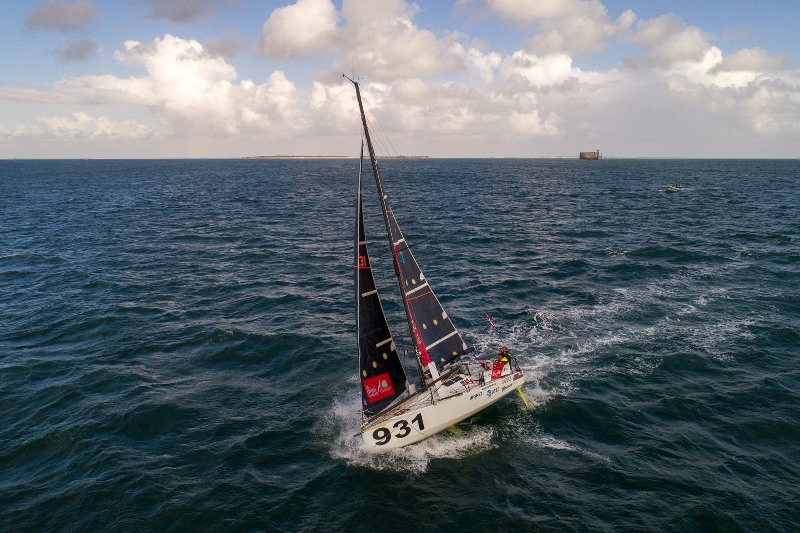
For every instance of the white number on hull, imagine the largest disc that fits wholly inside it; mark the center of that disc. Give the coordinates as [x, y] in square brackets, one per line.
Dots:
[383, 435]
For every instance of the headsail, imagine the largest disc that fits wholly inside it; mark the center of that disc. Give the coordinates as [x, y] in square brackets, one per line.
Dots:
[436, 338]
[382, 375]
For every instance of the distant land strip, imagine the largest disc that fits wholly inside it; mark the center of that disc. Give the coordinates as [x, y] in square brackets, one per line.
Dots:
[330, 157]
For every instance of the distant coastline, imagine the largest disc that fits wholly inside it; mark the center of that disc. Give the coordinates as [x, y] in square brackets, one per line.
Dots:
[329, 157]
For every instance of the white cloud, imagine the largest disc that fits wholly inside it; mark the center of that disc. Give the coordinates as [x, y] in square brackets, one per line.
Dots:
[668, 39]
[754, 59]
[189, 91]
[79, 125]
[380, 40]
[375, 39]
[414, 107]
[554, 69]
[527, 10]
[564, 26]
[480, 65]
[291, 32]
[578, 33]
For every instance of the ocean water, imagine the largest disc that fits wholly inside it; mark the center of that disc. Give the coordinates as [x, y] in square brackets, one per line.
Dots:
[177, 346]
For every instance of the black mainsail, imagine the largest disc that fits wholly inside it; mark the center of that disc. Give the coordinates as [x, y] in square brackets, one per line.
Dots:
[435, 337]
[382, 376]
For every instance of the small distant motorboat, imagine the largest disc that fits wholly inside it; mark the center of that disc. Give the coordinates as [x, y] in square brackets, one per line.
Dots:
[675, 187]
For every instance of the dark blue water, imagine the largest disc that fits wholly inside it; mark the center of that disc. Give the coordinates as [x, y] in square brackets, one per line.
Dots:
[177, 346]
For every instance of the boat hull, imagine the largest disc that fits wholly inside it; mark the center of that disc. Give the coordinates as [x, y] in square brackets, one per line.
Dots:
[414, 420]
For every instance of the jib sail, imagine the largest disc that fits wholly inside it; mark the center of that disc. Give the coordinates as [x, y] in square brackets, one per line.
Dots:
[382, 375]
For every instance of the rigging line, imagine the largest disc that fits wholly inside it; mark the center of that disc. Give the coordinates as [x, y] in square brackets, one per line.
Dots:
[379, 138]
[373, 128]
[381, 130]
[376, 129]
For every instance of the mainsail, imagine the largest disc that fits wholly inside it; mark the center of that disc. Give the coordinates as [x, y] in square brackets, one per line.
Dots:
[382, 376]
[435, 337]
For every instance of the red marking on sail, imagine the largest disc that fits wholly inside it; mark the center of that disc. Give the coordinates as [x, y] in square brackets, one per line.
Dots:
[420, 296]
[423, 352]
[378, 387]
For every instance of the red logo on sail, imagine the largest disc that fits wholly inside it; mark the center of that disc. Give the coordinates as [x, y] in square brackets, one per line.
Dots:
[497, 369]
[378, 387]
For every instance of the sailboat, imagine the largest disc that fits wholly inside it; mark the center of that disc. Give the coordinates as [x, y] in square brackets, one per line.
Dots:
[455, 383]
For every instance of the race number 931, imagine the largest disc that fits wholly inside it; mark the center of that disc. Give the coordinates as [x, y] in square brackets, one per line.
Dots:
[402, 429]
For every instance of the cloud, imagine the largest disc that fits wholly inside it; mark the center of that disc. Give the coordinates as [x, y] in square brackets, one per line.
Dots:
[78, 125]
[478, 64]
[61, 15]
[563, 26]
[550, 70]
[375, 39]
[668, 40]
[80, 50]
[291, 32]
[527, 11]
[189, 90]
[575, 34]
[754, 59]
[182, 11]
[380, 40]
[229, 46]
[463, 112]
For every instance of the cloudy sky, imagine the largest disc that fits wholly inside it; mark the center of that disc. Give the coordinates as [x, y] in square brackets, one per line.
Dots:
[520, 78]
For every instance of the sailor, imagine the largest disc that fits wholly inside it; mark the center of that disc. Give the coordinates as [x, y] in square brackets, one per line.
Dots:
[500, 366]
[503, 356]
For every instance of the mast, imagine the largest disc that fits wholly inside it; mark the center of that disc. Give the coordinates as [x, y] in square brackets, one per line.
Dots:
[421, 352]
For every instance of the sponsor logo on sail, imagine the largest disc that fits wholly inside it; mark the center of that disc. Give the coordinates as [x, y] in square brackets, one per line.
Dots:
[378, 387]
[497, 369]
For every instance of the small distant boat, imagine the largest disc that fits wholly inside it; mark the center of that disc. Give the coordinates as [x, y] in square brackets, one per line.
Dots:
[454, 386]
[675, 187]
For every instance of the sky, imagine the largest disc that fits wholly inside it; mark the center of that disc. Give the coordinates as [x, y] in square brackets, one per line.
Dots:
[459, 78]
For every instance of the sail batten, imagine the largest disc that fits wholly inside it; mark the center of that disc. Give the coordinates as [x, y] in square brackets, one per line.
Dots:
[442, 339]
[412, 291]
